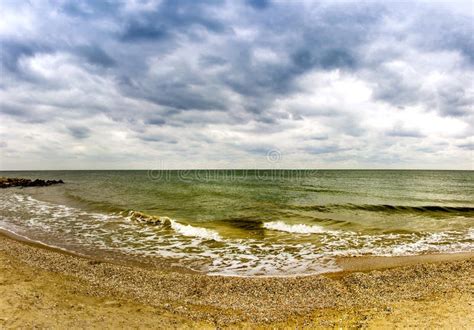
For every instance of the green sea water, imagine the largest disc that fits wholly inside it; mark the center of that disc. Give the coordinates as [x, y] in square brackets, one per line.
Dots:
[246, 222]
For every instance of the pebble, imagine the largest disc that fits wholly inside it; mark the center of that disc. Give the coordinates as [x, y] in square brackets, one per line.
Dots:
[255, 299]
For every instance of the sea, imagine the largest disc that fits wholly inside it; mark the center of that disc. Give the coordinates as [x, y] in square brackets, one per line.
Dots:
[245, 222]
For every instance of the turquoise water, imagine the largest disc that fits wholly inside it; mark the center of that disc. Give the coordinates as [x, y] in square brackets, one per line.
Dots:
[246, 222]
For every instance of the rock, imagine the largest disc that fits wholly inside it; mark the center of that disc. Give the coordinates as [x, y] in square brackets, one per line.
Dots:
[19, 182]
[37, 183]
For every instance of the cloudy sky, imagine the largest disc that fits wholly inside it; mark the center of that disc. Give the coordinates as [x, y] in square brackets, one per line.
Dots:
[233, 84]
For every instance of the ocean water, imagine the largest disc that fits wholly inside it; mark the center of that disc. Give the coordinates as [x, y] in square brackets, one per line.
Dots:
[245, 222]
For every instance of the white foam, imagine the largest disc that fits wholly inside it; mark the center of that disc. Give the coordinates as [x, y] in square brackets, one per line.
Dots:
[194, 247]
[470, 234]
[191, 231]
[25, 238]
[297, 228]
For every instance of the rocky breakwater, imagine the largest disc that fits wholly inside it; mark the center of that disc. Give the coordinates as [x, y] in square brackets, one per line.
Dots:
[19, 182]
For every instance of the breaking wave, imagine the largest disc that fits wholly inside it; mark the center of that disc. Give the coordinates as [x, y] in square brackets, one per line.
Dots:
[182, 229]
[191, 231]
[296, 228]
[248, 224]
[136, 234]
[141, 217]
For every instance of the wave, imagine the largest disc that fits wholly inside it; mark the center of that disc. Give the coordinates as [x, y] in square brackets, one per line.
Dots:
[146, 218]
[185, 230]
[296, 228]
[470, 234]
[188, 230]
[323, 190]
[403, 208]
[90, 233]
[389, 208]
[244, 223]
[101, 206]
[331, 222]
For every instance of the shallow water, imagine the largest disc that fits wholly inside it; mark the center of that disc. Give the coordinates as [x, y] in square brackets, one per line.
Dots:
[246, 222]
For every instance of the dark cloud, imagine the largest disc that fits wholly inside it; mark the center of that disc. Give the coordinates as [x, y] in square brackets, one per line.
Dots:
[399, 131]
[140, 31]
[158, 138]
[326, 59]
[22, 113]
[211, 61]
[329, 149]
[79, 132]
[13, 51]
[454, 100]
[427, 150]
[89, 9]
[176, 95]
[155, 121]
[259, 149]
[210, 72]
[318, 137]
[467, 146]
[441, 30]
[170, 18]
[258, 4]
[96, 55]
[394, 88]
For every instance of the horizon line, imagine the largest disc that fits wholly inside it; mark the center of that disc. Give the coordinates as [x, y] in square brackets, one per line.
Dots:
[243, 169]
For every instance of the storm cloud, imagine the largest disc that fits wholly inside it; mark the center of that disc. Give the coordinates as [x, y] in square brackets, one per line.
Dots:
[220, 84]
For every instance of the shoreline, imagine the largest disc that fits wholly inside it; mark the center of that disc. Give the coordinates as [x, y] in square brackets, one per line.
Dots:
[347, 264]
[8, 234]
[107, 293]
[122, 255]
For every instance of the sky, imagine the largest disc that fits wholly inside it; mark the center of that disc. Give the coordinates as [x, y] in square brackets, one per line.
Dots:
[236, 84]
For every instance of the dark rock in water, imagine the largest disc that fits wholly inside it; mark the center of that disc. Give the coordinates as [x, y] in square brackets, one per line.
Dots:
[19, 182]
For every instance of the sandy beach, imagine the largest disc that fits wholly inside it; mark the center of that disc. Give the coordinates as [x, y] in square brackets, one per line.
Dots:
[44, 288]
[252, 164]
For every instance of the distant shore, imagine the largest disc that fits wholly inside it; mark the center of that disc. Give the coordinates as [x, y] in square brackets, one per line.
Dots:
[45, 288]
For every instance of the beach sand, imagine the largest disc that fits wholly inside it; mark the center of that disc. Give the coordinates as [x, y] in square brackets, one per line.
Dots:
[44, 288]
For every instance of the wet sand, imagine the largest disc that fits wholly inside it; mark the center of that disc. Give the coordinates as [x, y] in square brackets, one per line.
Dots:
[45, 288]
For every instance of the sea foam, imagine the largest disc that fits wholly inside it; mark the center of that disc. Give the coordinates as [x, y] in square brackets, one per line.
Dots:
[118, 234]
[297, 228]
[191, 231]
[185, 230]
